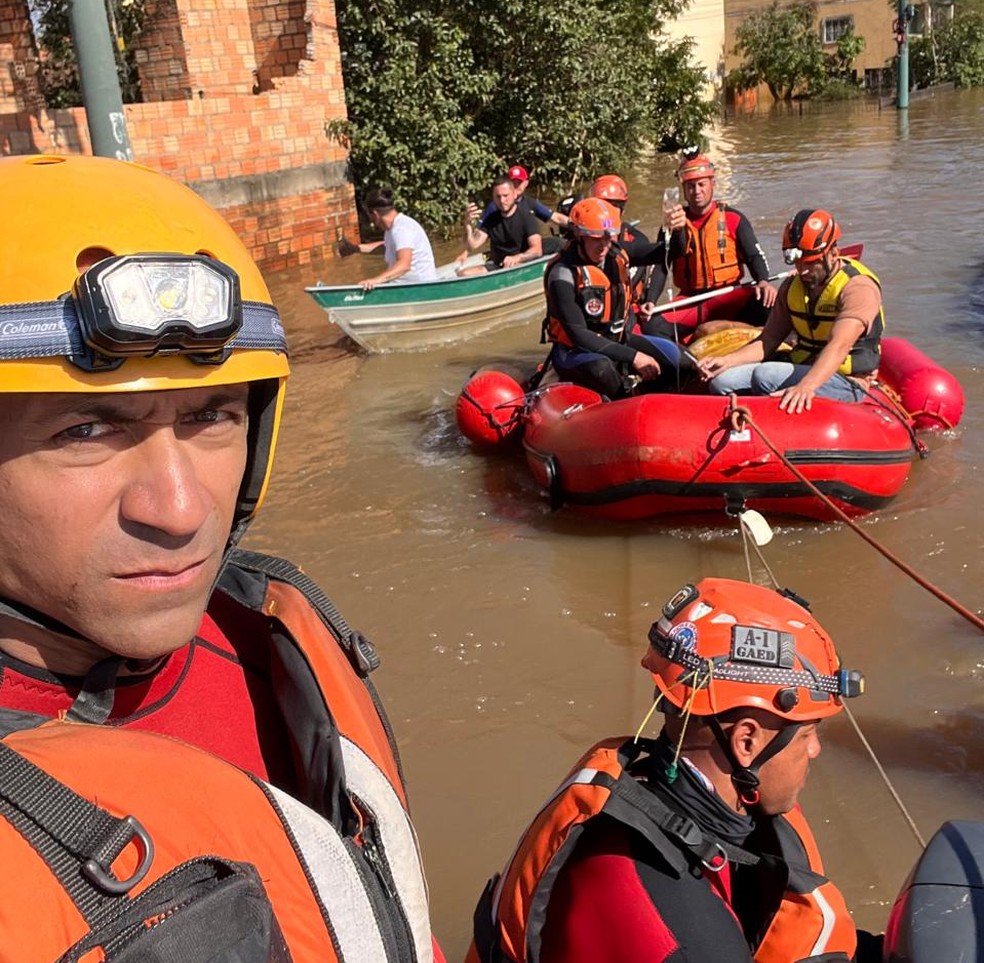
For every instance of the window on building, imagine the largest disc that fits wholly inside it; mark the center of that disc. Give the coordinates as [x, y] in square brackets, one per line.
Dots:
[833, 28]
[917, 26]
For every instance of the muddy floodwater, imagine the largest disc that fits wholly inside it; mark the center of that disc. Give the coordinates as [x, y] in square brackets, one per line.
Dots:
[511, 636]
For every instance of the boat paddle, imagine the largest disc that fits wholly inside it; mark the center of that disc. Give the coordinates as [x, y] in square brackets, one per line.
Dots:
[850, 250]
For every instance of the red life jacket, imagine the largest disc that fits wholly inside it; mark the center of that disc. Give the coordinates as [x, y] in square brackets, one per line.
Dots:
[342, 873]
[605, 306]
[811, 919]
[710, 258]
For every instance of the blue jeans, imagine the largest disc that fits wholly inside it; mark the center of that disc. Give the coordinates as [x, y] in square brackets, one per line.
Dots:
[599, 373]
[769, 376]
[666, 352]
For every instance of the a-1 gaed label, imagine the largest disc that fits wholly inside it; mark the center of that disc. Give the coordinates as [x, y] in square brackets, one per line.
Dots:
[752, 643]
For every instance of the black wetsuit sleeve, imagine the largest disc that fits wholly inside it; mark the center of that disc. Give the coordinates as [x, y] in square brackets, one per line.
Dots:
[562, 304]
[652, 253]
[749, 250]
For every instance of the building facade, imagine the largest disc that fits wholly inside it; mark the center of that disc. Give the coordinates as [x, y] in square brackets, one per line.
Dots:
[237, 96]
[871, 19]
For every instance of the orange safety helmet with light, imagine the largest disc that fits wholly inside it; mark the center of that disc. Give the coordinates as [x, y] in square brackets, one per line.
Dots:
[594, 217]
[724, 645]
[610, 187]
[695, 168]
[115, 278]
[809, 236]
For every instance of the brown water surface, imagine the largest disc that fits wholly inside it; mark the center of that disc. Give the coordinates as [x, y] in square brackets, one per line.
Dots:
[511, 637]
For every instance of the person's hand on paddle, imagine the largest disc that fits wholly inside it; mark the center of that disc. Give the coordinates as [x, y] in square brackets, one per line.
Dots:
[646, 310]
[766, 293]
[646, 366]
[675, 218]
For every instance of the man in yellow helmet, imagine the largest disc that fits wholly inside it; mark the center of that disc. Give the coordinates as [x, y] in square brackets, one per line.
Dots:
[142, 371]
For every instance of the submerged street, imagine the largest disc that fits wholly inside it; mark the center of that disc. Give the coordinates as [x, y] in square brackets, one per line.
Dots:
[511, 636]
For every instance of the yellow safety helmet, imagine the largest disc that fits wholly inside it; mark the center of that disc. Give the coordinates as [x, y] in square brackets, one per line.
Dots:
[115, 278]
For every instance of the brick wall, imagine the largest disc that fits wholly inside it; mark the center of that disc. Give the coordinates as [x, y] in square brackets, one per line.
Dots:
[242, 93]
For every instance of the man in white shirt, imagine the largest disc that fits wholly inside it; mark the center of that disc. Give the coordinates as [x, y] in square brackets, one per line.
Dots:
[407, 250]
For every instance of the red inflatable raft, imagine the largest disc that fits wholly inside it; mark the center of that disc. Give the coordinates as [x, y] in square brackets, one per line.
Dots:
[657, 454]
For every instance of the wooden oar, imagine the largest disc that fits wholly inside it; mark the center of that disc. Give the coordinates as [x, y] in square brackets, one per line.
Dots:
[851, 250]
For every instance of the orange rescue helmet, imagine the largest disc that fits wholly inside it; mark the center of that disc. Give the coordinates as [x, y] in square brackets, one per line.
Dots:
[610, 187]
[594, 217]
[809, 236]
[695, 168]
[724, 644]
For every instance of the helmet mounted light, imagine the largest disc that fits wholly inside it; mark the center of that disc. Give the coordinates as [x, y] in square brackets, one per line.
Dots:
[150, 304]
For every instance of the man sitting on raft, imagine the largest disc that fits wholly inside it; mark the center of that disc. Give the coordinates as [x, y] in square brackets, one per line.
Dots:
[590, 314]
[832, 304]
[711, 245]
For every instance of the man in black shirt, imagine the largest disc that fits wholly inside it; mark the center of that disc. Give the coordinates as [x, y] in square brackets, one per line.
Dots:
[511, 230]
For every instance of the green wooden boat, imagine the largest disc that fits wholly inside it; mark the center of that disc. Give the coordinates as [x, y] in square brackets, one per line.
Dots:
[397, 316]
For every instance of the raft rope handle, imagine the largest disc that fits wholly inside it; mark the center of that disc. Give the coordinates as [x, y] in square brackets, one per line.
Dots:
[741, 416]
[898, 410]
[518, 409]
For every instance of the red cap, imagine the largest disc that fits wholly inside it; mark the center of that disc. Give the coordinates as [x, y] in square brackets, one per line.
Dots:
[518, 173]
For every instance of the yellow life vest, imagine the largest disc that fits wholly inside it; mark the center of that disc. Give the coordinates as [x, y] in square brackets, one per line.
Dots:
[814, 321]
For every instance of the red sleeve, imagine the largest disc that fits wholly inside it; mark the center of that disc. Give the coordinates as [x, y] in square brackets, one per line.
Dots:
[601, 913]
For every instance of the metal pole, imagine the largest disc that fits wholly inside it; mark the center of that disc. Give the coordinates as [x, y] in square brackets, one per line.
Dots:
[902, 88]
[97, 76]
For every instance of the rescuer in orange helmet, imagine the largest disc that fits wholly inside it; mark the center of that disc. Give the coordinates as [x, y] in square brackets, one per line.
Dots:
[712, 244]
[832, 304]
[590, 308]
[653, 848]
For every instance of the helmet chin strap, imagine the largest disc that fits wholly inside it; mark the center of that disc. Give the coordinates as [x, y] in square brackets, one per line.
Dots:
[745, 778]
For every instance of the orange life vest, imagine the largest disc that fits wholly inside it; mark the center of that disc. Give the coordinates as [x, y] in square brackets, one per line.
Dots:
[348, 892]
[811, 919]
[710, 258]
[605, 306]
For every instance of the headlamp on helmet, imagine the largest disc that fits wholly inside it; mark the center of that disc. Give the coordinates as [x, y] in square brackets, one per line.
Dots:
[149, 304]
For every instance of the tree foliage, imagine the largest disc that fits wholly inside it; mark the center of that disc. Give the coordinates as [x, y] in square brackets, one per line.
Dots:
[849, 47]
[58, 69]
[781, 49]
[440, 96]
[952, 52]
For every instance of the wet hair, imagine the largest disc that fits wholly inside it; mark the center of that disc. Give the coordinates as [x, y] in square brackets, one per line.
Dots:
[380, 199]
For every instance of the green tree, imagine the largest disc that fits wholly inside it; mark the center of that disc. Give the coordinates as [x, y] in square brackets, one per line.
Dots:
[407, 73]
[781, 49]
[961, 49]
[951, 52]
[583, 86]
[440, 96]
[850, 46]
